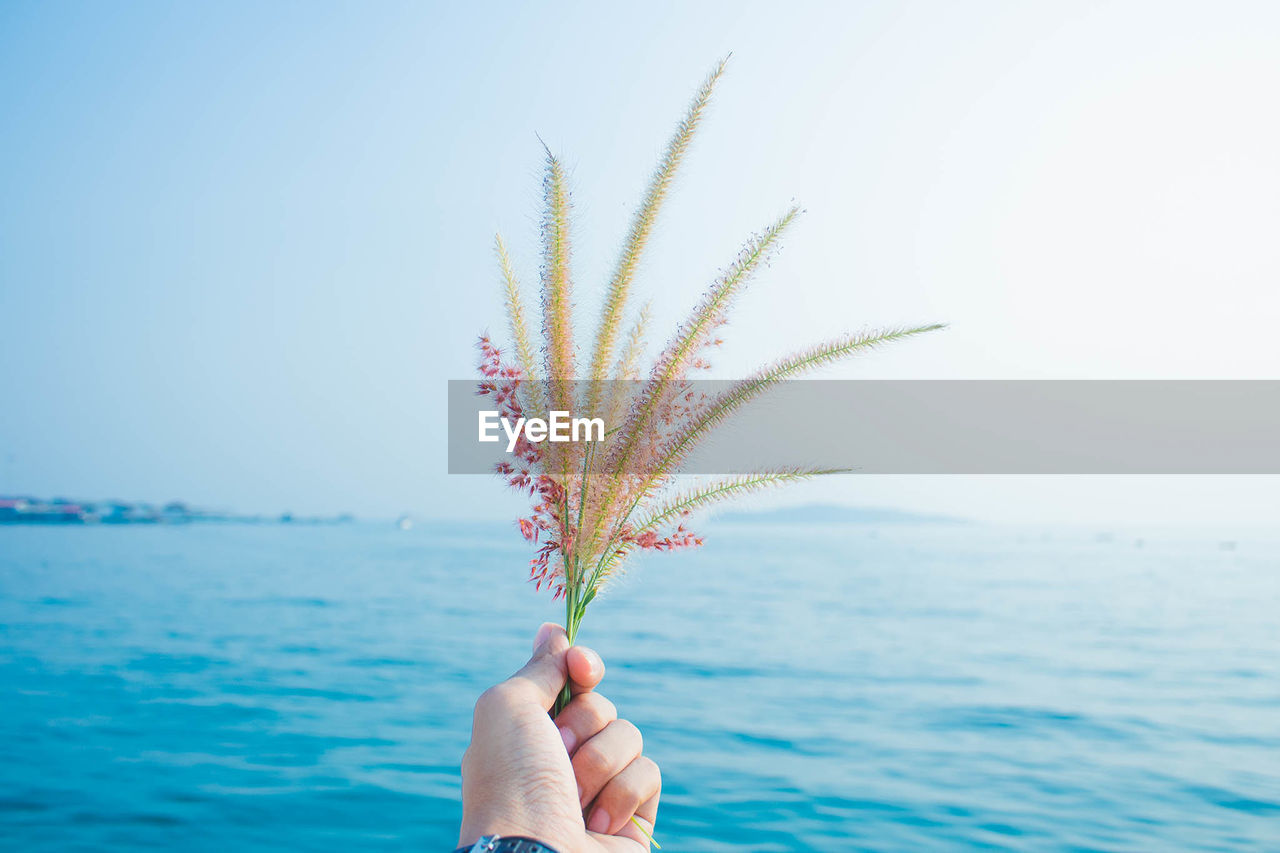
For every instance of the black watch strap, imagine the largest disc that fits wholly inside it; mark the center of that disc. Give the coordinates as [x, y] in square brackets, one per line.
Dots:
[506, 844]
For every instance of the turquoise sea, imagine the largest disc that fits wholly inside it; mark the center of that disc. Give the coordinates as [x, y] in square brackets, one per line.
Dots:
[878, 687]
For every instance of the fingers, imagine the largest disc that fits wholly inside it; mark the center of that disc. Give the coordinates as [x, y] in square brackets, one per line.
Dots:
[648, 811]
[640, 830]
[542, 677]
[552, 663]
[604, 756]
[545, 632]
[586, 669]
[635, 833]
[638, 784]
[584, 718]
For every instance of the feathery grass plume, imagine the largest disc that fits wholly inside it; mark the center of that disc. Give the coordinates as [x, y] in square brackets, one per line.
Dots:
[519, 327]
[641, 226]
[593, 506]
[701, 497]
[680, 356]
[629, 359]
[716, 410]
[557, 325]
[742, 392]
[557, 288]
[626, 371]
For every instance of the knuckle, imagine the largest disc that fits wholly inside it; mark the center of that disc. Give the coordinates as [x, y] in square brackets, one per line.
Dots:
[590, 758]
[495, 697]
[652, 771]
[631, 732]
[625, 790]
[599, 708]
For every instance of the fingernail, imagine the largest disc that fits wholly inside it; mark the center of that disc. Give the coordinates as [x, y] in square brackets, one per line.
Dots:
[584, 805]
[544, 634]
[570, 741]
[599, 821]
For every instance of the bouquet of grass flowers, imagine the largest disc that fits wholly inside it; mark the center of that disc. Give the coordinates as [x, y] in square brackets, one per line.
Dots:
[595, 503]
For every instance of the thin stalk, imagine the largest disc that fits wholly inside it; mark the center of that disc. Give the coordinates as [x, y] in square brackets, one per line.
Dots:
[647, 833]
[571, 628]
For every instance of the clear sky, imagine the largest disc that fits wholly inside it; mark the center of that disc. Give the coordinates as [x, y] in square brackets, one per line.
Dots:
[242, 246]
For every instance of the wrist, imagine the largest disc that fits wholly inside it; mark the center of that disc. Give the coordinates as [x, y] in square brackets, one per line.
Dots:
[484, 826]
[494, 843]
[528, 817]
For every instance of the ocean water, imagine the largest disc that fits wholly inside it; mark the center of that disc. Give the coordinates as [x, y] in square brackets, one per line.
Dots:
[836, 688]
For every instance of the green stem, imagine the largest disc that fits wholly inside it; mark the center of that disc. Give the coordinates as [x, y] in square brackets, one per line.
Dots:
[646, 832]
[572, 619]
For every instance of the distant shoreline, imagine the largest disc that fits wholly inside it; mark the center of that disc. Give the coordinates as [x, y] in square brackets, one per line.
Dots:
[61, 511]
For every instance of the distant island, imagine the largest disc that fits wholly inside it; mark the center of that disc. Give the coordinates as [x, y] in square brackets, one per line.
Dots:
[834, 514]
[29, 510]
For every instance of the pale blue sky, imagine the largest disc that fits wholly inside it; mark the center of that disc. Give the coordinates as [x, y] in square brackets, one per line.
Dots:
[242, 246]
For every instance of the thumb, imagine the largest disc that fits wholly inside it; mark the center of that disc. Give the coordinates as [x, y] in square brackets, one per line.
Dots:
[546, 672]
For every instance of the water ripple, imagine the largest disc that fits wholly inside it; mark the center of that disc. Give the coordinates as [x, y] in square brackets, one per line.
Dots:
[967, 688]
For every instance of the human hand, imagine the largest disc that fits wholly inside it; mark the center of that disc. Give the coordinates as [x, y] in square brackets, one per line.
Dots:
[526, 774]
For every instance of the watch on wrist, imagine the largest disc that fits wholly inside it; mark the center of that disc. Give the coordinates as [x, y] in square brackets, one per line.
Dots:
[506, 844]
